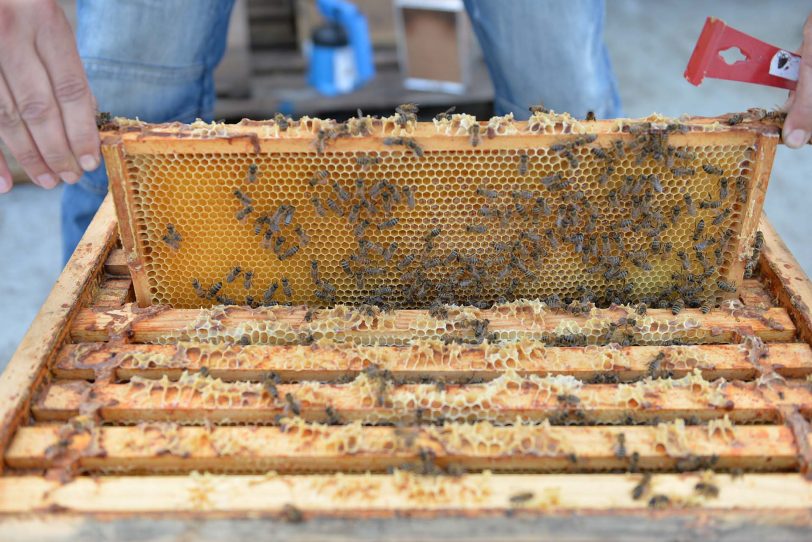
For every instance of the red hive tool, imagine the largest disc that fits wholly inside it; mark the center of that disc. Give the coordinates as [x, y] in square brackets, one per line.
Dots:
[764, 64]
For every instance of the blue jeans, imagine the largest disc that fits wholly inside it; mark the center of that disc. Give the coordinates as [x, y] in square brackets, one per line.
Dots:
[546, 51]
[151, 59]
[154, 60]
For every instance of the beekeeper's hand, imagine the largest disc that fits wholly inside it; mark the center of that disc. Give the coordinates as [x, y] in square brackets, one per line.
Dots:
[798, 125]
[47, 111]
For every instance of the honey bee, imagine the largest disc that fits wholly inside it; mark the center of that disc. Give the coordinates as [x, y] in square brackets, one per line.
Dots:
[568, 399]
[656, 185]
[707, 490]
[269, 383]
[286, 288]
[677, 306]
[726, 286]
[267, 297]
[233, 274]
[686, 263]
[391, 223]
[742, 187]
[405, 262]
[318, 178]
[434, 232]
[520, 498]
[282, 121]
[201, 293]
[735, 119]
[476, 228]
[317, 206]
[224, 300]
[659, 501]
[487, 193]
[689, 204]
[446, 115]
[248, 280]
[342, 194]
[620, 151]
[706, 306]
[332, 416]
[314, 272]
[172, 237]
[304, 239]
[642, 308]
[539, 108]
[409, 196]
[292, 404]
[600, 153]
[365, 161]
[335, 207]
[709, 204]
[288, 213]
[523, 163]
[590, 116]
[723, 188]
[700, 227]
[722, 216]
[521, 194]
[473, 135]
[408, 110]
[252, 173]
[278, 243]
[291, 514]
[242, 198]
[289, 253]
[345, 266]
[642, 487]
[323, 136]
[620, 447]
[683, 171]
[712, 170]
[390, 251]
[244, 212]
[573, 161]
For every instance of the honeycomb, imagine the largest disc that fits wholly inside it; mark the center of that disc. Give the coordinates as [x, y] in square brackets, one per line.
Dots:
[404, 214]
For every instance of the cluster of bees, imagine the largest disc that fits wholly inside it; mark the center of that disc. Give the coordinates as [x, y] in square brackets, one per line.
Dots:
[575, 221]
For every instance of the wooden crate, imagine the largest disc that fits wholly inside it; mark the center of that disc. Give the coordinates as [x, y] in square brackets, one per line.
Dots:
[85, 453]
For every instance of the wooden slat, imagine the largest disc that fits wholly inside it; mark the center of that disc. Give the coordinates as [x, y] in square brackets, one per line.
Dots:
[502, 401]
[754, 294]
[364, 496]
[449, 363]
[318, 448]
[786, 279]
[113, 293]
[28, 365]
[116, 263]
[718, 326]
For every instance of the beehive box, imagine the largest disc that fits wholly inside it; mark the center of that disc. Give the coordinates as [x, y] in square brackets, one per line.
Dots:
[125, 422]
[400, 214]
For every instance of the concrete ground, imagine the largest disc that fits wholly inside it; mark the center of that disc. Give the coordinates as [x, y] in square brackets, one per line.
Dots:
[650, 44]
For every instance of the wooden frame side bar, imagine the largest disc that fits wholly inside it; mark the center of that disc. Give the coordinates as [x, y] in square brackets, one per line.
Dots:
[786, 279]
[29, 363]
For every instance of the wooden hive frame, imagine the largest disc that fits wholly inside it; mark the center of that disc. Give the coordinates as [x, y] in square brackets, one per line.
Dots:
[222, 471]
[144, 160]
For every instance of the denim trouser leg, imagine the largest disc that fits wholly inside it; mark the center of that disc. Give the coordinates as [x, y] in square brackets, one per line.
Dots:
[151, 59]
[546, 51]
